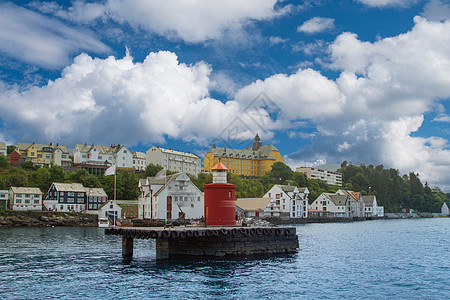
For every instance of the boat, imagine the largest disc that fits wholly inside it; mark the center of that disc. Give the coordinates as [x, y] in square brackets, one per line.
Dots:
[103, 223]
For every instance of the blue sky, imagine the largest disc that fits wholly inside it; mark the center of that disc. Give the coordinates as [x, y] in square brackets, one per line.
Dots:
[367, 81]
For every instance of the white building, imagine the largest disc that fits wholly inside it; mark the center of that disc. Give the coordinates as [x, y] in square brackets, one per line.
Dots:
[255, 207]
[103, 155]
[3, 149]
[288, 201]
[170, 198]
[445, 210]
[139, 162]
[110, 210]
[371, 208]
[332, 178]
[25, 198]
[356, 203]
[175, 161]
[4, 199]
[333, 204]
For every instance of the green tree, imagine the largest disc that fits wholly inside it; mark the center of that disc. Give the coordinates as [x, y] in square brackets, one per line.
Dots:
[91, 181]
[151, 170]
[10, 149]
[4, 161]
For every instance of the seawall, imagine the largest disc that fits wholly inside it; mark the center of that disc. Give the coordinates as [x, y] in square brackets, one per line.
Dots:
[45, 219]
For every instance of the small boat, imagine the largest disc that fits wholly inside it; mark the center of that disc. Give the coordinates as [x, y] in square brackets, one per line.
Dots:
[103, 223]
[124, 223]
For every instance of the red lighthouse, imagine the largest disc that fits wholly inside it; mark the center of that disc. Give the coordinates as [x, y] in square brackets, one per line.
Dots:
[220, 202]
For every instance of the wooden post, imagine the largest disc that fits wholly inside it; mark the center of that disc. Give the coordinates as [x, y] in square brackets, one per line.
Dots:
[127, 248]
[162, 248]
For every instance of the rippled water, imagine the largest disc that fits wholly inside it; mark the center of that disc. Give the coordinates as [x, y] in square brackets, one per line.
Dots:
[395, 259]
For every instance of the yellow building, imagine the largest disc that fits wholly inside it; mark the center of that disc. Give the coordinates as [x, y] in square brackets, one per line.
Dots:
[44, 155]
[252, 162]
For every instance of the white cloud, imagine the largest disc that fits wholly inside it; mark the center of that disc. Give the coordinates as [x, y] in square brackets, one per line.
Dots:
[437, 10]
[274, 40]
[388, 3]
[316, 24]
[191, 20]
[442, 118]
[35, 39]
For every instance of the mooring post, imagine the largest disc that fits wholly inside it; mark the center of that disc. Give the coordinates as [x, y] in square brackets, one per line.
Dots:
[162, 248]
[127, 248]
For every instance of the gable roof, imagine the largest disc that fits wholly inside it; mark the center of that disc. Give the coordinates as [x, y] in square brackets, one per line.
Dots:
[338, 200]
[40, 147]
[26, 190]
[169, 179]
[69, 187]
[368, 200]
[253, 204]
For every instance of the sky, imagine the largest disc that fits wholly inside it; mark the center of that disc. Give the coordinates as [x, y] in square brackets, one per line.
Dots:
[366, 81]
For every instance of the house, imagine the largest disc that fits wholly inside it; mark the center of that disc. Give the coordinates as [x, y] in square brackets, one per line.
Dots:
[15, 159]
[96, 159]
[4, 199]
[44, 154]
[24, 198]
[254, 207]
[110, 210]
[3, 149]
[74, 197]
[288, 201]
[252, 162]
[445, 210]
[356, 203]
[170, 198]
[334, 205]
[371, 208]
[139, 163]
[174, 160]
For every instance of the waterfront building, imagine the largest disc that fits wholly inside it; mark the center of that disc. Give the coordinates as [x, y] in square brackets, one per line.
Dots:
[356, 203]
[24, 198]
[74, 197]
[4, 199]
[371, 208]
[332, 178]
[110, 210]
[288, 201]
[3, 149]
[333, 205]
[44, 154]
[445, 209]
[251, 162]
[170, 198]
[254, 207]
[174, 160]
[139, 161]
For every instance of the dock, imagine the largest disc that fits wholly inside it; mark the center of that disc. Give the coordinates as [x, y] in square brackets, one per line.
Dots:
[210, 241]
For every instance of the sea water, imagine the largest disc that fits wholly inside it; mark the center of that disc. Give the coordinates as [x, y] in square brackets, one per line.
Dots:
[382, 259]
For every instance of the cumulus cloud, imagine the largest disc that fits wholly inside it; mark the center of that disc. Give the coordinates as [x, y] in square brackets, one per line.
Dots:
[117, 100]
[437, 10]
[388, 3]
[388, 86]
[316, 24]
[193, 21]
[35, 39]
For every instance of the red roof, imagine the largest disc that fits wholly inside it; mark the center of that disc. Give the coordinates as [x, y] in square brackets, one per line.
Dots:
[219, 166]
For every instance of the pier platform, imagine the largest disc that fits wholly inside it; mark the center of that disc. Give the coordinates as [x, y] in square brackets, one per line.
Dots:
[210, 241]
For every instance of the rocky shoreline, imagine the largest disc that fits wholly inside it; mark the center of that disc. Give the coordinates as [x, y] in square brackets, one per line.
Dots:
[45, 219]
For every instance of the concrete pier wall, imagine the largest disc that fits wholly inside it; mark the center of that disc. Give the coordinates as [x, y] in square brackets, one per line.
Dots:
[212, 242]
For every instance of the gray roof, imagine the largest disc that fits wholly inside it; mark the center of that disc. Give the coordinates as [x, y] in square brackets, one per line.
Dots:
[253, 204]
[262, 153]
[26, 190]
[290, 188]
[168, 180]
[39, 147]
[102, 149]
[330, 167]
[69, 187]
[368, 200]
[339, 200]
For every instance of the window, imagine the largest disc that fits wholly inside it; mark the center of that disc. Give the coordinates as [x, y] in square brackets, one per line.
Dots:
[70, 200]
[61, 193]
[111, 206]
[277, 196]
[36, 201]
[62, 207]
[70, 194]
[80, 194]
[270, 195]
[27, 201]
[18, 200]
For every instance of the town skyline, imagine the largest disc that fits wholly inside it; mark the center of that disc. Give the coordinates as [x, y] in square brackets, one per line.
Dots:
[363, 81]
